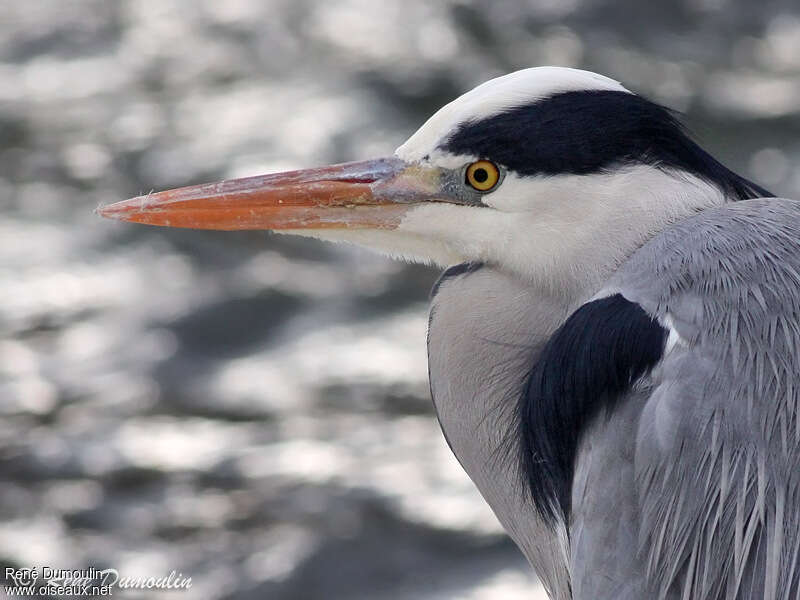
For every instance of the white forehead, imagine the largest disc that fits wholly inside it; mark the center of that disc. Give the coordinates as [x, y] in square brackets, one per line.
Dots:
[495, 96]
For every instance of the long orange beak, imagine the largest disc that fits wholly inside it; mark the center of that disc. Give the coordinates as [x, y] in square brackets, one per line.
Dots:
[369, 194]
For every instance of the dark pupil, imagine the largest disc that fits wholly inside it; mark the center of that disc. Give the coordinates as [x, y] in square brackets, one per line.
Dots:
[480, 175]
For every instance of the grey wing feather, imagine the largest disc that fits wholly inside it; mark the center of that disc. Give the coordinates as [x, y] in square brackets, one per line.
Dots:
[604, 521]
[716, 453]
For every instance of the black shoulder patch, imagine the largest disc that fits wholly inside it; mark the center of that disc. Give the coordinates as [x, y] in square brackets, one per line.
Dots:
[584, 132]
[588, 363]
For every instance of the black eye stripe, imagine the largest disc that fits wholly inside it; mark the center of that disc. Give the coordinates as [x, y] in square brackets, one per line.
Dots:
[586, 132]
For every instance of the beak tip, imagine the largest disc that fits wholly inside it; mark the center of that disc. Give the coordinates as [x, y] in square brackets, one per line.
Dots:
[124, 210]
[108, 211]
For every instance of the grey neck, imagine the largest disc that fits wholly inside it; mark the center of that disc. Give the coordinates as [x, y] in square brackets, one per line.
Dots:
[486, 330]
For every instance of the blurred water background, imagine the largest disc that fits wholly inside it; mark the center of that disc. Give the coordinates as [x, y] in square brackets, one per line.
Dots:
[248, 409]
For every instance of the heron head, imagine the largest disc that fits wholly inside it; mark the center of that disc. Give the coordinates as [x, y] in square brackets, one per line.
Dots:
[534, 172]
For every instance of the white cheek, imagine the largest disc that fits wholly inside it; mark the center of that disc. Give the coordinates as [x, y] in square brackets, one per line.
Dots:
[515, 194]
[394, 243]
[564, 202]
[516, 241]
[625, 193]
[462, 230]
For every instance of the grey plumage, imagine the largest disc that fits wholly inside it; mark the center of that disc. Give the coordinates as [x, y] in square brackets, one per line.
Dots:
[692, 489]
[489, 327]
[717, 456]
[615, 358]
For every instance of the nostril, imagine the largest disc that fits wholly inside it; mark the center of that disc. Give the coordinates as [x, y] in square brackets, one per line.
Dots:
[363, 179]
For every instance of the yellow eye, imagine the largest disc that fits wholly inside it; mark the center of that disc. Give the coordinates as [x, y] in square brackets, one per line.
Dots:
[483, 175]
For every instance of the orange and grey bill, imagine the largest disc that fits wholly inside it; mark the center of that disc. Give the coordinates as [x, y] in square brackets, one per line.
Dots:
[367, 194]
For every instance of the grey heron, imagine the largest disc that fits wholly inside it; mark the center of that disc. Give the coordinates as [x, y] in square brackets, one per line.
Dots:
[614, 347]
